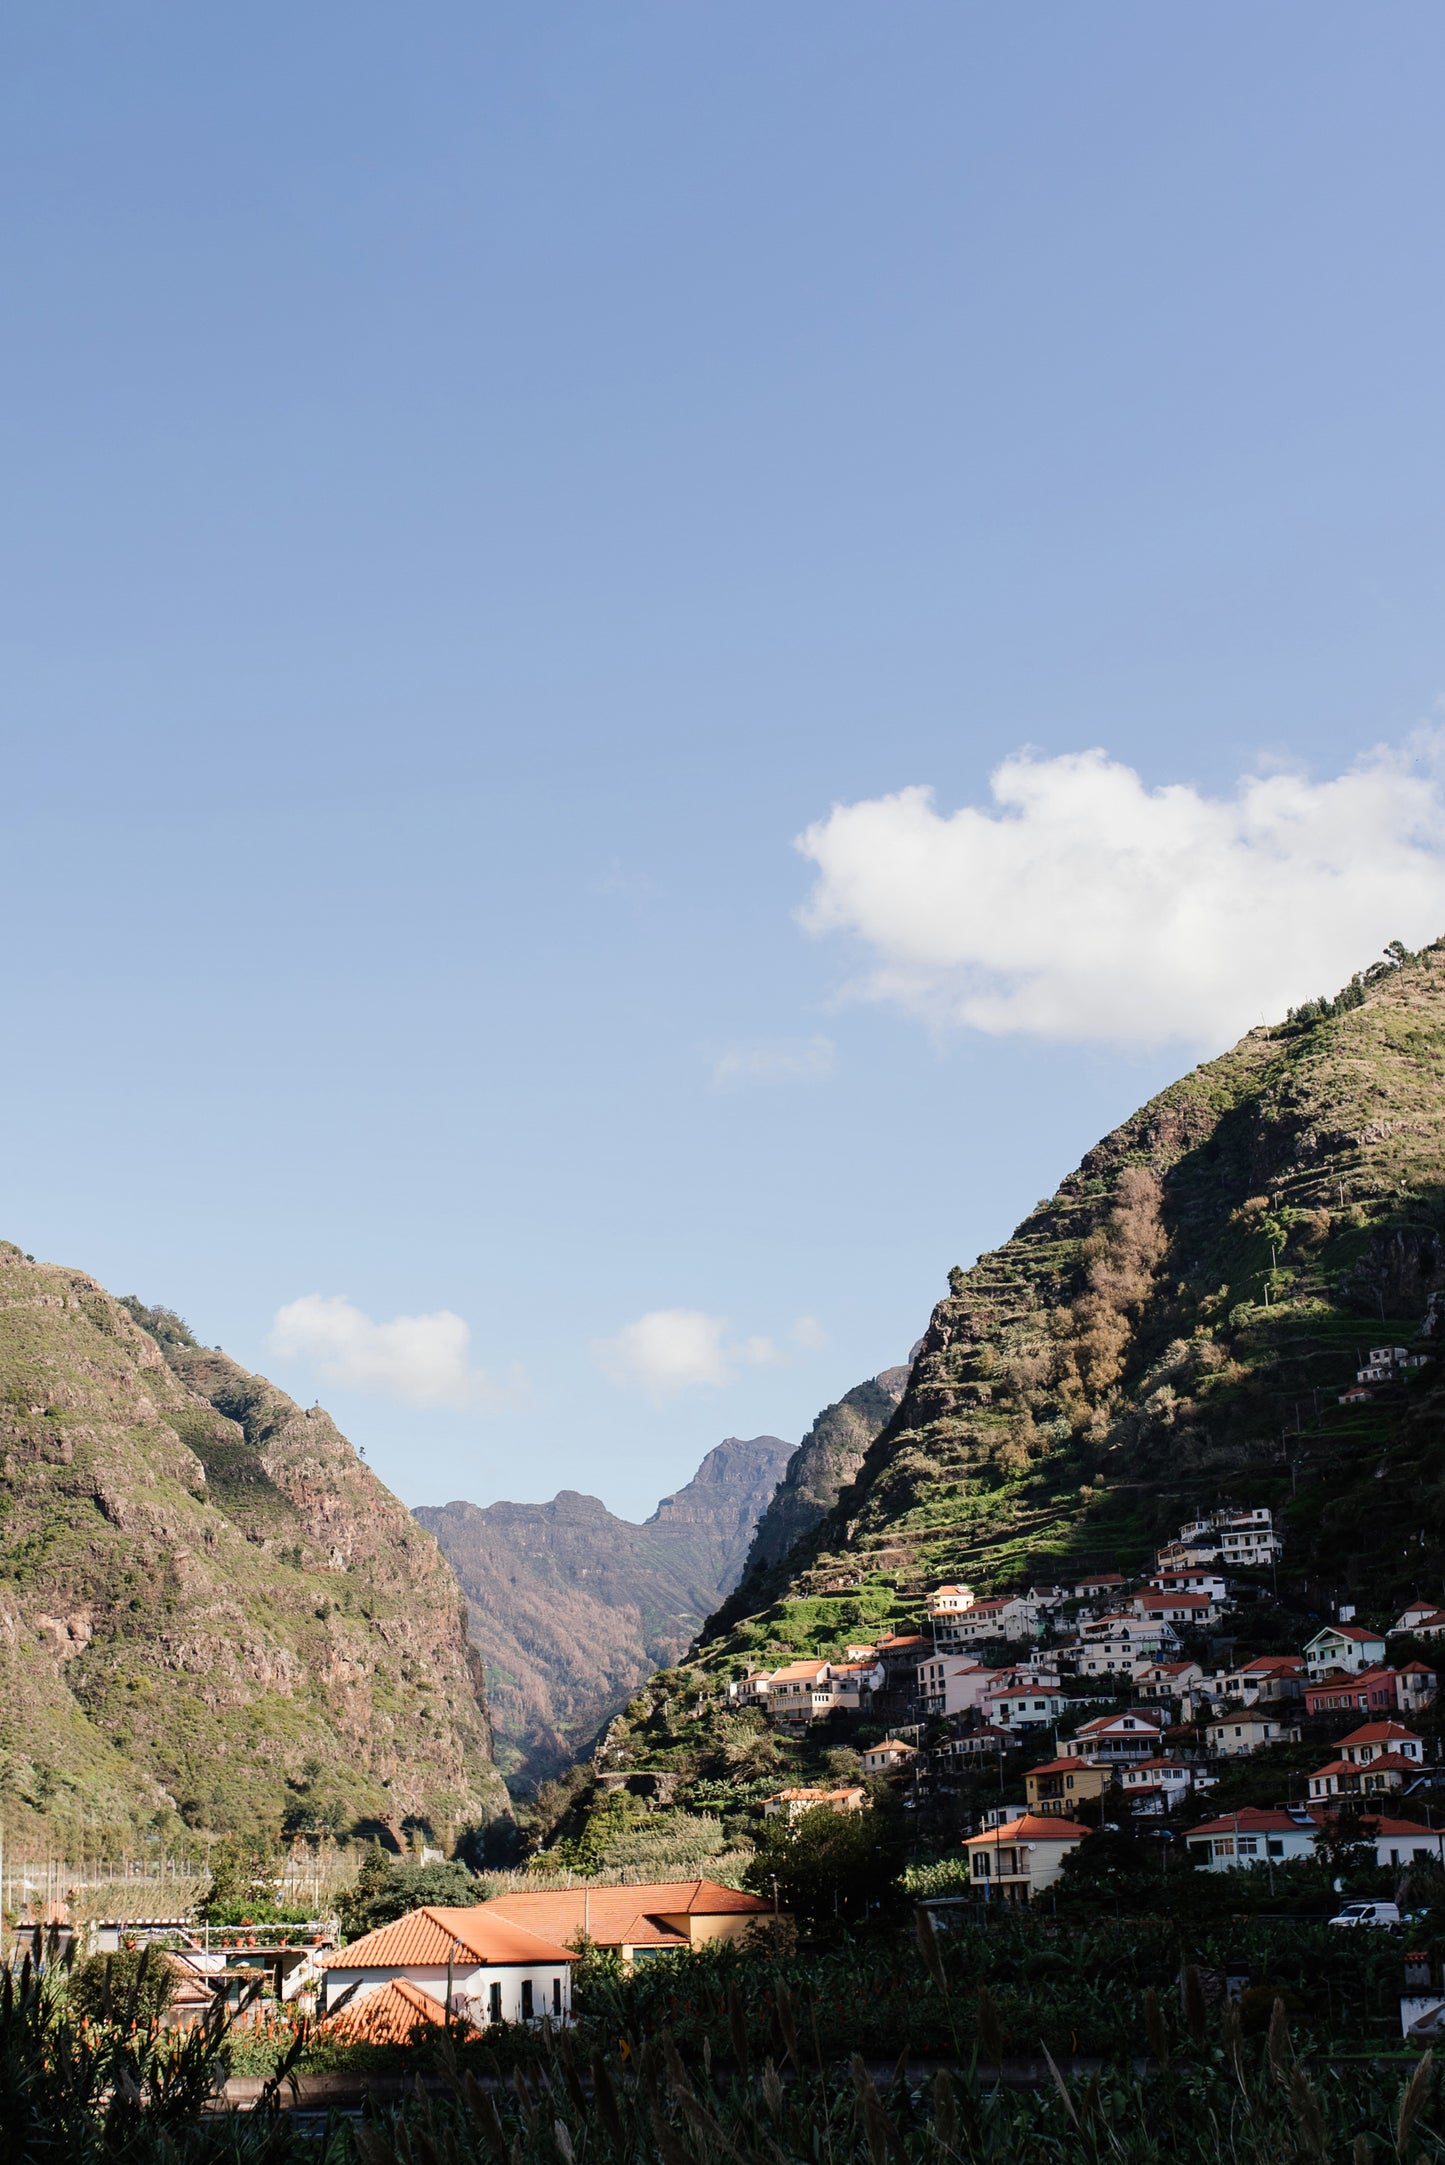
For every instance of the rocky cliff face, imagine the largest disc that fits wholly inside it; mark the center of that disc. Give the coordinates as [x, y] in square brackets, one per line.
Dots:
[825, 1462]
[209, 1607]
[572, 1607]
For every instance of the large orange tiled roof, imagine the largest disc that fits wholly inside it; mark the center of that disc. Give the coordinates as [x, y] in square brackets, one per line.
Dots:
[609, 1915]
[430, 1938]
[1380, 1732]
[1030, 1827]
[391, 2015]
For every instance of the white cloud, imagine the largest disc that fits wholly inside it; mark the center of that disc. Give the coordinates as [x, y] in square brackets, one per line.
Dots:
[783, 1059]
[423, 1360]
[1083, 905]
[671, 1349]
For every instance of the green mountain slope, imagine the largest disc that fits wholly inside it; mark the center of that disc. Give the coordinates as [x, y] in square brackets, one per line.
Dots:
[572, 1607]
[209, 1607]
[1174, 1327]
[1176, 1324]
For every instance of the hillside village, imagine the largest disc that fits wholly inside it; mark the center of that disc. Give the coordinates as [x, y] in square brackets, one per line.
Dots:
[1114, 1697]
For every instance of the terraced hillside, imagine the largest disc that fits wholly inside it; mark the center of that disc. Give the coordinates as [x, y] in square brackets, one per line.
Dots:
[1174, 1326]
[211, 1611]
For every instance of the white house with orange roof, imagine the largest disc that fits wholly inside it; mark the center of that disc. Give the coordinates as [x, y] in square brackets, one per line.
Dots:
[1380, 1756]
[802, 1692]
[1185, 1611]
[750, 1690]
[1021, 1700]
[791, 1804]
[1169, 1681]
[949, 1601]
[1116, 1739]
[1257, 1835]
[892, 1756]
[1016, 1861]
[484, 1965]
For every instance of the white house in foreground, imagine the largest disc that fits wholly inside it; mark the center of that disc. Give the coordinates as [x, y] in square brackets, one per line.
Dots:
[494, 1970]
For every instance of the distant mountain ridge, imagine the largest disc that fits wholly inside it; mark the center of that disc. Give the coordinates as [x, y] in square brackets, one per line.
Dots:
[572, 1607]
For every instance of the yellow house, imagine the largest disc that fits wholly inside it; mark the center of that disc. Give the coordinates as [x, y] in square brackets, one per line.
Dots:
[1059, 1785]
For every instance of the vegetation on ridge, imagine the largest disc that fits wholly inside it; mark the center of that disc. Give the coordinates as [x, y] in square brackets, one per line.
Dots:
[213, 1617]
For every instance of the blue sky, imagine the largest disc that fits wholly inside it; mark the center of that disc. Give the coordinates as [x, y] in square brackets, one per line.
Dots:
[482, 483]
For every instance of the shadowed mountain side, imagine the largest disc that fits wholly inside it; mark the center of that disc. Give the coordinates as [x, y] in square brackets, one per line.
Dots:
[826, 1460]
[573, 1607]
[209, 1606]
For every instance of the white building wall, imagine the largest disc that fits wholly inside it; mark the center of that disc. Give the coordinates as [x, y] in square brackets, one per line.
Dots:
[471, 1988]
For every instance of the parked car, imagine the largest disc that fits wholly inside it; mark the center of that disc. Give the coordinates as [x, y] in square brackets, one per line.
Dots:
[1368, 1913]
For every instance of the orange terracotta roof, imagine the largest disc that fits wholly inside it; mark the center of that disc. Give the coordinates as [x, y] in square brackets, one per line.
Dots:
[1031, 1827]
[798, 1672]
[1066, 1766]
[1260, 1819]
[430, 1938]
[608, 1914]
[391, 2015]
[810, 1796]
[1381, 1732]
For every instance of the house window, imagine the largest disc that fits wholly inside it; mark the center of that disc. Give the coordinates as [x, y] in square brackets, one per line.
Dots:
[556, 1995]
[1275, 1846]
[526, 1999]
[494, 2003]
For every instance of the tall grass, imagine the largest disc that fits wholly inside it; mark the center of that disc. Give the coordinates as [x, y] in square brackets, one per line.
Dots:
[1220, 2099]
